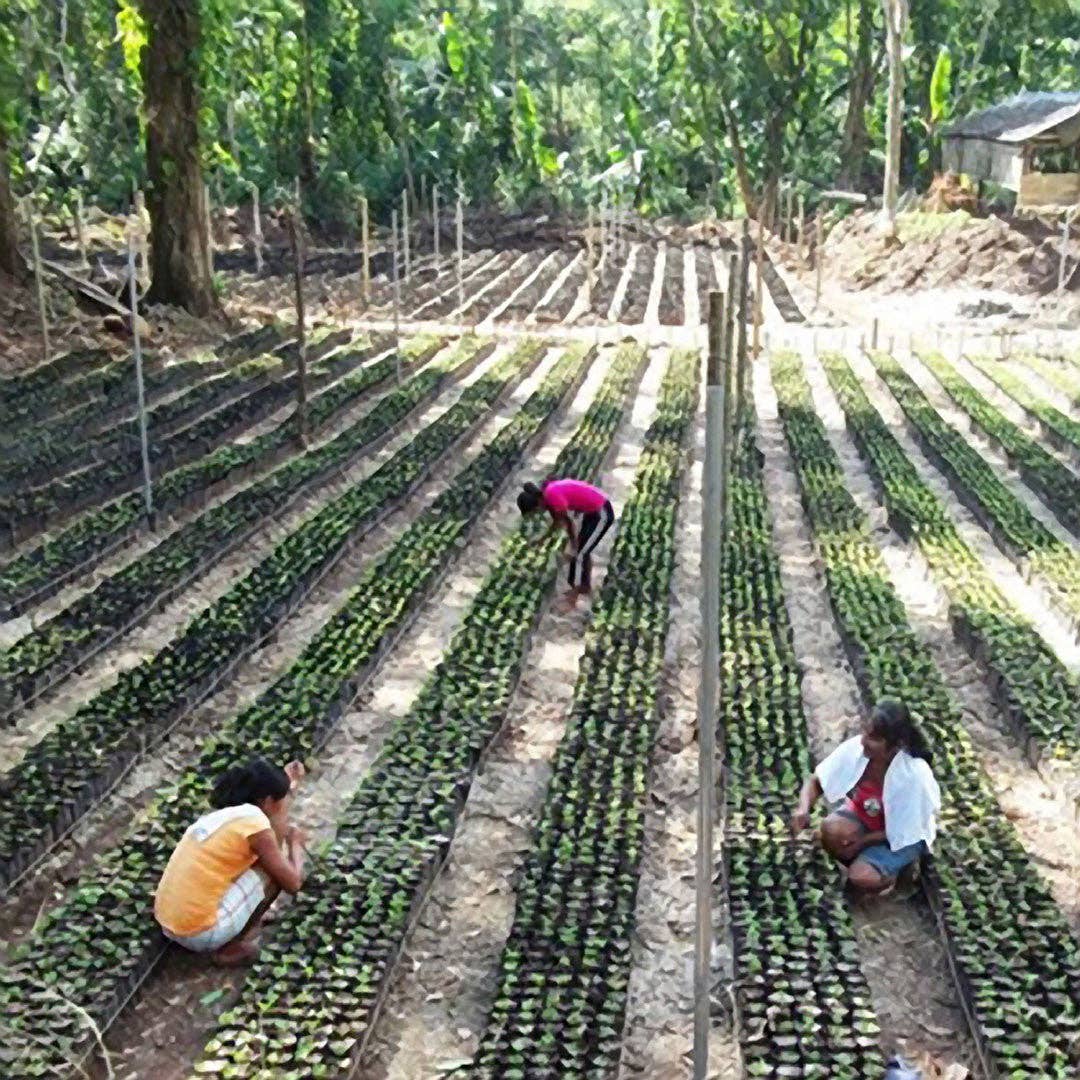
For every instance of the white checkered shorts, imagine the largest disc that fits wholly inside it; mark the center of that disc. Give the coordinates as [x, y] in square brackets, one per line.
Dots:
[237, 906]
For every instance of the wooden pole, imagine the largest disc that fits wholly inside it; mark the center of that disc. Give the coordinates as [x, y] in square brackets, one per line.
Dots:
[80, 231]
[396, 280]
[140, 391]
[256, 227]
[210, 220]
[819, 254]
[365, 251]
[713, 495]
[296, 240]
[143, 247]
[744, 289]
[802, 229]
[590, 255]
[759, 288]
[460, 227]
[39, 280]
[603, 234]
[405, 235]
[874, 335]
[1066, 222]
[435, 221]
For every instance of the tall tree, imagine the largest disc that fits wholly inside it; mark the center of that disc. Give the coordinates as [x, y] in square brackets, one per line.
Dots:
[180, 241]
[859, 26]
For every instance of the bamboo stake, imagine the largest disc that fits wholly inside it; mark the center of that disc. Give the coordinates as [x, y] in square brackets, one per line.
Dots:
[365, 251]
[209, 220]
[39, 279]
[80, 231]
[142, 246]
[732, 289]
[405, 235]
[819, 255]
[802, 229]
[296, 241]
[1066, 222]
[396, 279]
[874, 335]
[256, 227]
[759, 288]
[713, 495]
[435, 222]
[134, 226]
[460, 226]
[603, 234]
[589, 256]
[744, 289]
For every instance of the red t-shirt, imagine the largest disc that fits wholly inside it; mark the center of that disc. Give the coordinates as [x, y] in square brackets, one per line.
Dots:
[867, 803]
[573, 497]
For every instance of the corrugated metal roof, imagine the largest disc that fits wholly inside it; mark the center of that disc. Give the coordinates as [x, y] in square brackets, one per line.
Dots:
[1019, 118]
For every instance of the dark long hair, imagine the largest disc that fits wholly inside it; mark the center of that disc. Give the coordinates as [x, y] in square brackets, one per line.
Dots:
[252, 782]
[529, 498]
[891, 721]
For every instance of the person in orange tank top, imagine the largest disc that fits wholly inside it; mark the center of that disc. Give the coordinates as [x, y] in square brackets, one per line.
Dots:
[230, 865]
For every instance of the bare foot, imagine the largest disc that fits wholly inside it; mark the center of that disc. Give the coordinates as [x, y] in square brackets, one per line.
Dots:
[236, 953]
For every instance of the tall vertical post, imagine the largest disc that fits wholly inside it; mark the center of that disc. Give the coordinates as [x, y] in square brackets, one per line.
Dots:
[460, 229]
[435, 222]
[395, 278]
[603, 234]
[144, 248]
[819, 254]
[365, 251]
[256, 227]
[1066, 222]
[741, 307]
[713, 496]
[140, 391]
[730, 330]
[405, 235]
[759, 288]
[297, 243]
[590, 255]
[39, 280]
[210, 219]
[80, 231]
[802, 229]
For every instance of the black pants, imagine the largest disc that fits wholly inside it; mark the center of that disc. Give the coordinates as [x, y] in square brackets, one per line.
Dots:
[593, 527]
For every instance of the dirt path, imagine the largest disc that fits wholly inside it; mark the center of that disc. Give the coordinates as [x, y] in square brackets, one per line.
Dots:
[960, 420]
[1051, 626]
[439, 1004]
[168, 1014]
[166, 623]
[904, 960]
[1037, 806]
[658, 1037]
[100, 827]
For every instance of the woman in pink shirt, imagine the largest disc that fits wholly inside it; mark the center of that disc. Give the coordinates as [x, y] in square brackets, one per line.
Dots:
[561, 498]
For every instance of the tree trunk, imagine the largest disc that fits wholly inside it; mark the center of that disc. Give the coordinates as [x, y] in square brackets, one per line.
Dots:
[896, 13]
[856, 140]
[11, 262]
[308, 173]
[738, 155]
[706, 128]
[180, 258]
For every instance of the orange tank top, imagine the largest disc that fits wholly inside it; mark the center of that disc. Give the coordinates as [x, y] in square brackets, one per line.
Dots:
[213, 853]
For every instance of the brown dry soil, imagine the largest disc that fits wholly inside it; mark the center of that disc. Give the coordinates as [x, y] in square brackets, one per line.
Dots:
[1016, 255]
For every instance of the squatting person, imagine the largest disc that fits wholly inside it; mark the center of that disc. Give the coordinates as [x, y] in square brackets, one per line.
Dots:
[562, 498]
[883, 798]
[230, 865]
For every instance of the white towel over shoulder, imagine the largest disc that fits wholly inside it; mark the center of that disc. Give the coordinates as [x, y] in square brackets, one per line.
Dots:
[912, 795]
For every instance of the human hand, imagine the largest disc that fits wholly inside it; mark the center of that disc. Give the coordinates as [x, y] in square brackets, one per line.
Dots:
[296, 837]
[295, 771]
[800, 821]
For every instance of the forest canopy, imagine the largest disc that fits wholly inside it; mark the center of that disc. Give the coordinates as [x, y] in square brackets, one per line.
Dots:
[525, 100]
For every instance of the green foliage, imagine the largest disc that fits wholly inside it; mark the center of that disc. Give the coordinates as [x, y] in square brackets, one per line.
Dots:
[524, 99]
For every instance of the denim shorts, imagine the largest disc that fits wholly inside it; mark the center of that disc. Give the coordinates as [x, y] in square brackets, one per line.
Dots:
[881, 857]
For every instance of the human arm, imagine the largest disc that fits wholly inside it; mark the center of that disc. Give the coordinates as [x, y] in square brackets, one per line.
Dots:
[810, 793]
[284, 868]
